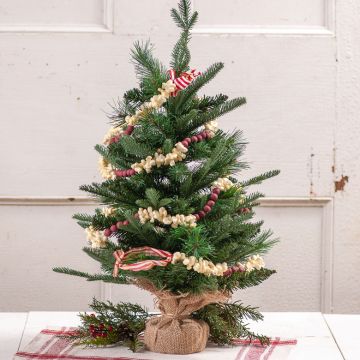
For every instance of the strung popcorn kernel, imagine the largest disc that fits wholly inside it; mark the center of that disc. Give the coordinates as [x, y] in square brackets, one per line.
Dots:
[176, 154]
[254, 262]
[108, 211]
[106, 169]
[161, 215]
[200, 265]
[223, 184]
[113, 132]
[211, 127]
[96, 238]
[155, 102]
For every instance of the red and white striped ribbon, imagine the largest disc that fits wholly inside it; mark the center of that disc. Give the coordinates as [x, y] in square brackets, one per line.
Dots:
[184, 80]
[120, 256]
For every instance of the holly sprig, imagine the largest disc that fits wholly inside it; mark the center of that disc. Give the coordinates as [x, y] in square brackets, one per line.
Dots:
[111, 324]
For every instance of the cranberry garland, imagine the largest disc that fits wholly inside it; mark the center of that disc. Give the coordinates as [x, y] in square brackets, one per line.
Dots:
[186, 142]
[115, 227]
[236, 268]
[128, 131]
[130, 172]
[208, 206]
[199, 215]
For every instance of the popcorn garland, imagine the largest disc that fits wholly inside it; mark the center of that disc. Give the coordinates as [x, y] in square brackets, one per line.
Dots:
[115, 133]
[178, 153]
[106, 169]
[200, 265]
[253, 262]
[163, 217]
[96, 238]
[108, 211]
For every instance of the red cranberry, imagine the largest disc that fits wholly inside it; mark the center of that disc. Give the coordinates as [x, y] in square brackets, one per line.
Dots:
[185, 143]
[113, 228]
[119, 224]
[201, 214]
[216, 191]
[107, 232]
[207, 208]
[210, 203]
[194, 139]
[213, 197]
[188, 140]
[126, 222]
[199, 137]
[197, 217]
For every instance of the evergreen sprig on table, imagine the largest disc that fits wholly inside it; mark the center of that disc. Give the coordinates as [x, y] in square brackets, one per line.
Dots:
[224, 233]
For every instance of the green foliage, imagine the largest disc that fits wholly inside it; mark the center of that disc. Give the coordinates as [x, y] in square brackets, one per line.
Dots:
[180, 57]
[226, 322]
[151, 73]
[120, 323]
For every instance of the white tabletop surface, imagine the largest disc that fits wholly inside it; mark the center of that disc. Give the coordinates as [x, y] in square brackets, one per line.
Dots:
[345, 330]
[328, 337]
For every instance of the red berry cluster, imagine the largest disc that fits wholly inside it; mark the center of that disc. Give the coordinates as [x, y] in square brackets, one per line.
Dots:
[186, 142]
[115, 227]
[233, 269]
[208, 206]
[100, 331]
[128, 131]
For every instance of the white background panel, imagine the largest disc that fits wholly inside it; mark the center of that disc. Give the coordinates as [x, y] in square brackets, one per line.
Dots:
[261, 12]
[301, 117]
[33, 240]
[55, 12]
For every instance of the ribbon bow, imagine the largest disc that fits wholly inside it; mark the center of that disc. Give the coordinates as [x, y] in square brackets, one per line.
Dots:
[121, 256]
[184, 80]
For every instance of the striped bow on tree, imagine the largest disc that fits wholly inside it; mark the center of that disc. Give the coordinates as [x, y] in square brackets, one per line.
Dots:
[121, 256]
[184, 80]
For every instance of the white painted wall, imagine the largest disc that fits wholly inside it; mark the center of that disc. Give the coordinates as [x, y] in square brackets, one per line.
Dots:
[62, 61]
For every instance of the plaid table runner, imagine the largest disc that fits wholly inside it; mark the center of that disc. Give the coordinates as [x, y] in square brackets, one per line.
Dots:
[48, 346]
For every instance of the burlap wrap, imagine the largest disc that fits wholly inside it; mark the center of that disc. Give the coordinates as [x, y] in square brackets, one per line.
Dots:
[174, 332]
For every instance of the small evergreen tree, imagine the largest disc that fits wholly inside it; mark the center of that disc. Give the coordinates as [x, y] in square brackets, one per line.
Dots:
[169, 185]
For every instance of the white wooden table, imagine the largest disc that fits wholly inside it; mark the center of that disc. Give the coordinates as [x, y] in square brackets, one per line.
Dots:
[328, 337]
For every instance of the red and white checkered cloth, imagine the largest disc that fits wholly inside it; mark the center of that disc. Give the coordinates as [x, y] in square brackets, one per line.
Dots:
[48, 346]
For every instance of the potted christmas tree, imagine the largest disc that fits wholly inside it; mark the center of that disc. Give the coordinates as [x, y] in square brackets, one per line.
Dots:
[176, 221]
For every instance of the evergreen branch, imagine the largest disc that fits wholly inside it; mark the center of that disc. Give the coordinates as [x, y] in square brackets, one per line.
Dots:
[214, 113]
[226, 322]
[149, 70]
[260, 178]
[197, 84]
[243, 280]
[91, 277]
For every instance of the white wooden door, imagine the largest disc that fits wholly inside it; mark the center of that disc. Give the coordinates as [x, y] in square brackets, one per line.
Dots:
[62, 61]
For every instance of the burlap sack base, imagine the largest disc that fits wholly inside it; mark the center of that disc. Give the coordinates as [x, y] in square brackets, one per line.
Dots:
[174, 332]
